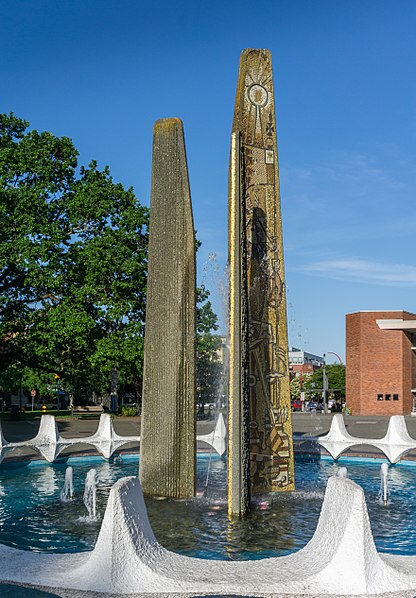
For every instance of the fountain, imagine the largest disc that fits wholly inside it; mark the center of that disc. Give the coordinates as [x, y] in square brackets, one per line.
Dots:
[342, 472]
[67, 492]
[50, 444]
[383, 495]
[260, 454]
[90, 495]
[396, 443]
[127, 558]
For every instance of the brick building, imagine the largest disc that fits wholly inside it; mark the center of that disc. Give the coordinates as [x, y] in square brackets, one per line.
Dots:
[381, 362]
[302, 363]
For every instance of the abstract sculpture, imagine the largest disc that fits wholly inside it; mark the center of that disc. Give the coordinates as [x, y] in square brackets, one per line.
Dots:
[395, 444]
[259, 373]
[167, 458]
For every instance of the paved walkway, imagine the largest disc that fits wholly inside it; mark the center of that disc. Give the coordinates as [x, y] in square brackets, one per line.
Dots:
[316, 424]
[306, 426]
[312, 424]
[16, 431]
[23, 430]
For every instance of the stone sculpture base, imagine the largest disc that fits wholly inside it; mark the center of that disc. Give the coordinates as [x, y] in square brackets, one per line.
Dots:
[340, 560]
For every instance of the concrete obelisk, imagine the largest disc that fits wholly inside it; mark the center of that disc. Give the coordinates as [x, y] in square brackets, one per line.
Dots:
[256, 197]
[168, 433]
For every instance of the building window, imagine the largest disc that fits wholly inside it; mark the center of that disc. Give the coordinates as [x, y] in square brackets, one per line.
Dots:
[395, 397]
[388, 397]
[379, 397]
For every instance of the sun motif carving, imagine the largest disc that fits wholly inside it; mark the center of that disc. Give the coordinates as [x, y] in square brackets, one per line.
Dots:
[257, 95]
[258, 99]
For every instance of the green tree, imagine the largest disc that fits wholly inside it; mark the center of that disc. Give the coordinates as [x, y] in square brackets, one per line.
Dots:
[295, 388]
[73, 263]
[336, 380]
[209, 369]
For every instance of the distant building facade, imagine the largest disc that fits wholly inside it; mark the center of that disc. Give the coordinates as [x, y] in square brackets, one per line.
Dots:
[381, 362]
[303, 363]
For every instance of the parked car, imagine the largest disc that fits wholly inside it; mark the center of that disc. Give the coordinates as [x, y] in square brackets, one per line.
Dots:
[296, 405]
[315, 406]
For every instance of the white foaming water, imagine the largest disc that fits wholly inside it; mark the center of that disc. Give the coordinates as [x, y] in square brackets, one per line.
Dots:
[342, 472]
[216, 278]
[90, 496]
[67, 492]
[47, 481]
[383, 495]
[299, 496]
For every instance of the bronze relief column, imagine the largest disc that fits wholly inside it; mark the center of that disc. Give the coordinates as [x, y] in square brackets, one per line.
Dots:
[269, 420]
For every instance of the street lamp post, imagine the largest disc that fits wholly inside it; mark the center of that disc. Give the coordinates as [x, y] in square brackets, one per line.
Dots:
[20, 391]
[325, 379]
[324, 385]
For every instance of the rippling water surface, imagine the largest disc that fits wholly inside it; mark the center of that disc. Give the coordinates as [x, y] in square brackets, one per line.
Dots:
[32, 516]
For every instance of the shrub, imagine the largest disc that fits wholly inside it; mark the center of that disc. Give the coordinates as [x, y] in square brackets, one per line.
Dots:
[128, 410]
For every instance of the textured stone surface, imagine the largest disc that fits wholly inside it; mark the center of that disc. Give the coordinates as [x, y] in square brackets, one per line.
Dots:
[239, 396]
[271, 448]
[217, 439]
[50, 444]
[396, 443]
[167, 462]
[340, 560]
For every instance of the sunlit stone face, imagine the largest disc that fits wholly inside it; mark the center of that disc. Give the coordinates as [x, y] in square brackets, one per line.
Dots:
[258, 95]
[257, 257]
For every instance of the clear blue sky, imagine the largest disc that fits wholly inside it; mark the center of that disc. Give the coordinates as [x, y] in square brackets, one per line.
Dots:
[102, 71]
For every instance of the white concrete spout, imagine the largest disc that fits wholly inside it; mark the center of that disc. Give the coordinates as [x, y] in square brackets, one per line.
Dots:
[49, 443]
[395, 444]
[340, 560]
[217, 439]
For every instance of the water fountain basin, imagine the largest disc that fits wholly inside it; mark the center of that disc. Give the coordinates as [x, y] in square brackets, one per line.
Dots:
[127, 557]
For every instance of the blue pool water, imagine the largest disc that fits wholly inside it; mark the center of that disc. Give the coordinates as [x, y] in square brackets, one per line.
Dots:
[33, 518]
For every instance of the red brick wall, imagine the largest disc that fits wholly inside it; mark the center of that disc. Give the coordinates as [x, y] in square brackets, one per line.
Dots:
[414, 365]
[409, 365]
[378, 362]
[353, 362]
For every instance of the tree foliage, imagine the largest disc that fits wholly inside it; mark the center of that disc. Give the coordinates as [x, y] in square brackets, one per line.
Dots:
[336, 379]
[295, 388]
[73, 265]
[209, 368]
[73, 262]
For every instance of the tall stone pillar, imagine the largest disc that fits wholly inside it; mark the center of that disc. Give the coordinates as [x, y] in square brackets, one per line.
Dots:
[238, 402]
[271, 448]
[168, 433]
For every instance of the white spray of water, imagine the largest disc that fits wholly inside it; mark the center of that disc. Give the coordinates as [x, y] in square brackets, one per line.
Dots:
[342, 472]
[383, 495]
[67, 492]
[90, 495]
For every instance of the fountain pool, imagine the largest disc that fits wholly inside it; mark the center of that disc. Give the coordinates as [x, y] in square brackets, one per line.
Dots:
[32, 516]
